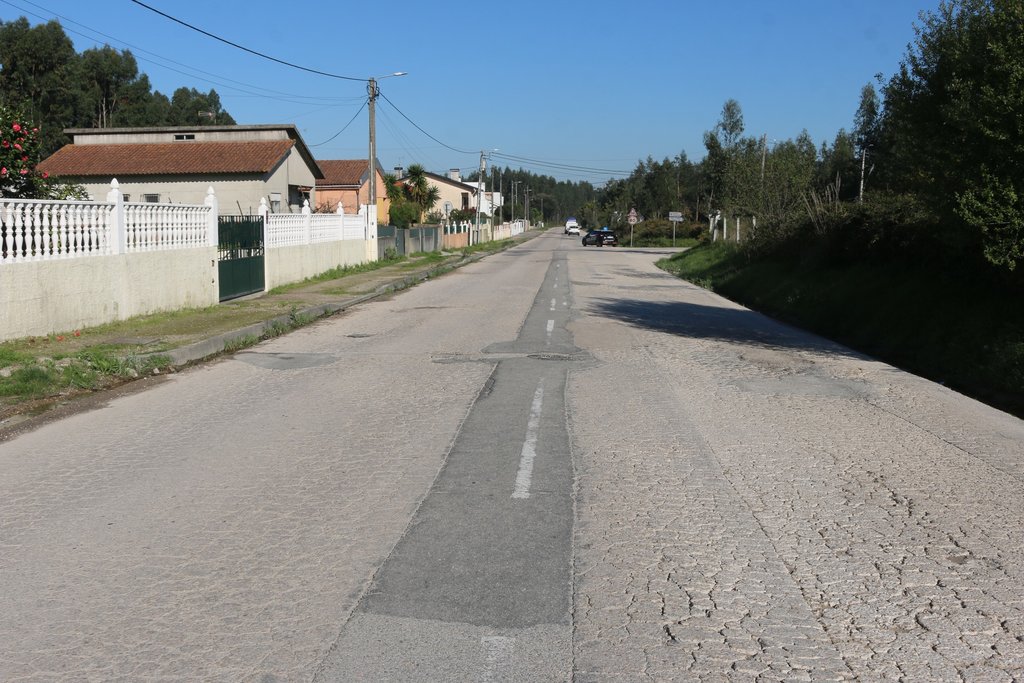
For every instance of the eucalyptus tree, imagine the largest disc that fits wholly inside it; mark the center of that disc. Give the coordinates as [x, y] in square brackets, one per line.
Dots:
[952, 121]
[37, 77]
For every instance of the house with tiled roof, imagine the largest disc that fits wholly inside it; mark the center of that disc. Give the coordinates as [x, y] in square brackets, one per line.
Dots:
[456, 194]
[178, 164]
[346, 182]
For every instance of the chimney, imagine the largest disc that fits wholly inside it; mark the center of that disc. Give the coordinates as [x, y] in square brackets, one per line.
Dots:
[455, 175]
[399, 172]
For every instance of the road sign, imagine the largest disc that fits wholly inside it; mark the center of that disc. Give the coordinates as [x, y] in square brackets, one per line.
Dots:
[675, 216]
[632, 217]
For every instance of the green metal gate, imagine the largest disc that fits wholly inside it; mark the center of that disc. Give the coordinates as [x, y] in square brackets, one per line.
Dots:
[240, 263]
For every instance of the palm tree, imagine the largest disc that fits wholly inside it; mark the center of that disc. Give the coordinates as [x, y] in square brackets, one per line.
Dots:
[393, 188]
[419, 189]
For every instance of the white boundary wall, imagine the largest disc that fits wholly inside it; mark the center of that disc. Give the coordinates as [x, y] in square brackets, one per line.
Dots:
[43, 297]
[69, 265]
[299, 246]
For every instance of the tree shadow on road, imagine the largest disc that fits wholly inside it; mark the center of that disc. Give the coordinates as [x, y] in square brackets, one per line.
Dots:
[718, 323]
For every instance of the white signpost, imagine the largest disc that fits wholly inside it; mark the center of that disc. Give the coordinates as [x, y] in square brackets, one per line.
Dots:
[675, 217]
[632, 221]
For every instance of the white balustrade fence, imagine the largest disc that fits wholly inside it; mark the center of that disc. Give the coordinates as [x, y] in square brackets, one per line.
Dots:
[293, 229]
[45, 230]
[34, 230]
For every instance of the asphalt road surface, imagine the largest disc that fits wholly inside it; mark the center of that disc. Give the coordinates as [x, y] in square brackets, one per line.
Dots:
[556, 464]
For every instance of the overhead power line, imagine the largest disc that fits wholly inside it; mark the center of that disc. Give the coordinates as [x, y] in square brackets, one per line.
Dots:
[320, 144]
[223, 81]
[246, 49]
[416, 126]
[555, 165]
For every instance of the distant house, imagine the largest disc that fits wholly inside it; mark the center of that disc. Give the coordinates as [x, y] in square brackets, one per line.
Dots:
[178, 165]
[456, 195]
[346, 181]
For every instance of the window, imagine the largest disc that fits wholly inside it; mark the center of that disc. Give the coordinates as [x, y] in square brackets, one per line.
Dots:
[275, 202]
[151, 198]
[465, 201]
[126, 197]
[184, 136]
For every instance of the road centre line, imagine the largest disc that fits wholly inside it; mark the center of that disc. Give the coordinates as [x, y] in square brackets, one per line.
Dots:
[497, 656]
[529, 452]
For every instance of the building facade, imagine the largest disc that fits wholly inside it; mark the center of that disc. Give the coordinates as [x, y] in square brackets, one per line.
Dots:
[179, 164]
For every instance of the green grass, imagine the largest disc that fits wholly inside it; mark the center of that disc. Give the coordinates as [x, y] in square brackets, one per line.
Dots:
[487, 246]
[947, 326]
[659, 242]
[334, 274]
[31, 376]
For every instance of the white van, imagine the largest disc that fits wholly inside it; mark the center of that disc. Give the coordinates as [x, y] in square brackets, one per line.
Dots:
[571, 226]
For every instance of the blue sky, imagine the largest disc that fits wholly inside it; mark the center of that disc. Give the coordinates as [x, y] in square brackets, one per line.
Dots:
[596, 85]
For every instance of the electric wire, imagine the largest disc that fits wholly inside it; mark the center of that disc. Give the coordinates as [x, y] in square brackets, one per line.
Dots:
[405, 144]
[417, 127]
[569, 169]
[321, 144]
[224, 81]
[246, 49]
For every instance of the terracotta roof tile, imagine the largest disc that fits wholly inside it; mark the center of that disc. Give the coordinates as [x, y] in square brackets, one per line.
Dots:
[166, 158]
[342, 172]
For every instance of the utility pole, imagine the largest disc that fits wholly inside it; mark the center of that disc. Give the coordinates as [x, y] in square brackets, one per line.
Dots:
[515, 185]
[480, 193]
[371, 90]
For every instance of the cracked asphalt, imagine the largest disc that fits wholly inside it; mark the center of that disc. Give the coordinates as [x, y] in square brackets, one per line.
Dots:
[762, 504]
[557, 463]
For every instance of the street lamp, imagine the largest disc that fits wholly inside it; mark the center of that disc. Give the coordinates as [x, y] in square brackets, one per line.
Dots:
[372, 91]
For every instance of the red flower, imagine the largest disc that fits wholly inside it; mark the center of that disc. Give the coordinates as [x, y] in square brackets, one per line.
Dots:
[3, 171]
[78, 333]
[7, 143]
[16, 127]
[24, 171]
[45, 175]
[17, 146]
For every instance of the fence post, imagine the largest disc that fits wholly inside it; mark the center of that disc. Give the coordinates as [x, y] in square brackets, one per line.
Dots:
[307, 222]
[212, 228]
[371, 231]
[737, 229]
[117, 231]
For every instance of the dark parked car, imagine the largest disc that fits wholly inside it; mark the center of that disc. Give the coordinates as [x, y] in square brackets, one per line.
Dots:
[600, 238]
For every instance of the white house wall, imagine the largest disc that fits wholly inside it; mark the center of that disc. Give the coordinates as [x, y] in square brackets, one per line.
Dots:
[236, 195]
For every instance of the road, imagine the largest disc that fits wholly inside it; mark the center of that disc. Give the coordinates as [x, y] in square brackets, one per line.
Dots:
[555, 464]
